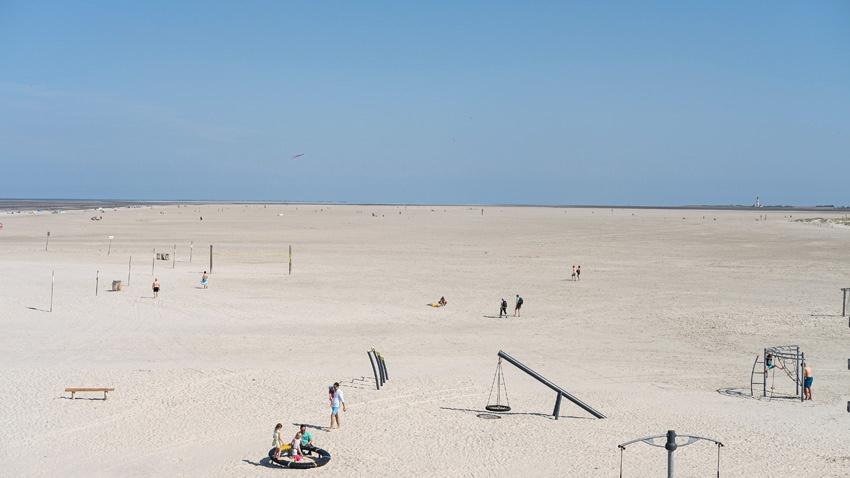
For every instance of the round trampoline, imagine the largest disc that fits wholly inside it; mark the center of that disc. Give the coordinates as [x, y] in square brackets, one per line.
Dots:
[317, 458]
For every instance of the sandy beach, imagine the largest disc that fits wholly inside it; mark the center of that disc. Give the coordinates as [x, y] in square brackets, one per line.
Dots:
[660, 333]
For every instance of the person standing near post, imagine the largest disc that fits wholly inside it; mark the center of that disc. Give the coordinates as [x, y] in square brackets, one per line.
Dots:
[155, 287]
[336, 401]
[205, 280]
[517, 306]
[808, 378]
[503, 308]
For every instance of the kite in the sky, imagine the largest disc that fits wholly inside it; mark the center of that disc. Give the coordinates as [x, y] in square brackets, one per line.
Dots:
[298, 156]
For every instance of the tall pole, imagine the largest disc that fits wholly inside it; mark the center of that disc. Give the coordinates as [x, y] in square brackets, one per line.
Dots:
[47, 241]
[96, 283]
[129, 268]
[191, 245]
[153, 263]
[173, 255]
[290, 259]
[670, 446]
[211, 258]
[52, 283]
[109, 249]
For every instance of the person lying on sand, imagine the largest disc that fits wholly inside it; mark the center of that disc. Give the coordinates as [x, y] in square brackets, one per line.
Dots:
[442, 301]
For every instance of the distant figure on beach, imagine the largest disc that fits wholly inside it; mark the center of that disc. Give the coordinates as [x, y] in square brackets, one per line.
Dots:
[306, 440]
[573, 277]
[155, 287]
[503, 308]
[295, 447]
[202, 218]
[442, 301]
[205, 279]
[518, 305]
[808, 378]
[578, 273]
[336, 401]
[277, 440]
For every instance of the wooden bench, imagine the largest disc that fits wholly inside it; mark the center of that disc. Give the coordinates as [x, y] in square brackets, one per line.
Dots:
[74, 390]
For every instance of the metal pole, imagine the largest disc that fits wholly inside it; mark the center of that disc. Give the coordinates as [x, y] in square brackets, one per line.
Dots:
[374, 370]
[52, 283]
[210, 258]
[764, 370]
[109, 249]
[797, 371]
[153, 263]
[191, 245]
[47, 241]
[173, 255]
[129, 268]
[844, 302]
[290, 259]
[670, 446]
[557, 410]
[96, 283]
[802, 364]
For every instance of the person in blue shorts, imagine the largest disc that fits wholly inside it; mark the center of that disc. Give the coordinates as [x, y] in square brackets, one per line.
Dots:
[337, 400]
[808, 378]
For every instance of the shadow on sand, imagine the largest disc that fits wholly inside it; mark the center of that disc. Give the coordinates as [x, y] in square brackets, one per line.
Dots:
[489, 415]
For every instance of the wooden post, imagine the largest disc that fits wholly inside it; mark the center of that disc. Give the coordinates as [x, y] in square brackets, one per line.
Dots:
[173, 255]
[96, 283]
[153, 263]
[52, 283]
[191, 245]
[290, 259]
[129, 268]
[47, 241]
[211, 258]
[109, 249]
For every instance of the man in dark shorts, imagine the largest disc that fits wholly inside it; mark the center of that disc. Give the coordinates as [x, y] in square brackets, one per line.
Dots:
[155, 287]
[518, 305]
[578, 273]
[503, 308]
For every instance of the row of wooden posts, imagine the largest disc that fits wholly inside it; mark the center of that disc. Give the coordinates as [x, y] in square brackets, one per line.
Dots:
[130, 267]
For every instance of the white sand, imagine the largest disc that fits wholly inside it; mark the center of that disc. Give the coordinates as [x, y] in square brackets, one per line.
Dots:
[668, 311]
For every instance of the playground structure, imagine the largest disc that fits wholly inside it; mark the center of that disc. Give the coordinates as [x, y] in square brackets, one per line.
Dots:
[321, 458]
[379, 367]
[670, 445]
[789, 360]
[845, 291]
[499, 383]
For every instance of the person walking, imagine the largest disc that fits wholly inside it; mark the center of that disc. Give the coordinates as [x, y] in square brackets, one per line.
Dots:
[503, 308]
[277, 440]
[573, 277]
[205, 280]
[578, 273]
[155, 287]
[336, 400]
[518, 305]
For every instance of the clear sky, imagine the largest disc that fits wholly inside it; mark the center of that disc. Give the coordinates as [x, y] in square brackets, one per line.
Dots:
[661, 103]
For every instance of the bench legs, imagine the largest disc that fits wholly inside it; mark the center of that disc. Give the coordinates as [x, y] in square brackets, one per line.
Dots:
[72, 395]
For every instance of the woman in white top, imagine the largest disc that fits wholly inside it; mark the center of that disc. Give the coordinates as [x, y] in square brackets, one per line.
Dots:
[296, 446]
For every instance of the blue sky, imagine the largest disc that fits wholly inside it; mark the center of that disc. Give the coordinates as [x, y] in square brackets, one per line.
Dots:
[660, 103]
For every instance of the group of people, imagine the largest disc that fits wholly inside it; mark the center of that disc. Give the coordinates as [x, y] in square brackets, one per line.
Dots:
[808, 375]
[205, 281]
[302, 443]
[576, 272]
[503, 307]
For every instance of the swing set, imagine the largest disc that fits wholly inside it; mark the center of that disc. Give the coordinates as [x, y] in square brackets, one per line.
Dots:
[499, 385]
[670, 445]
